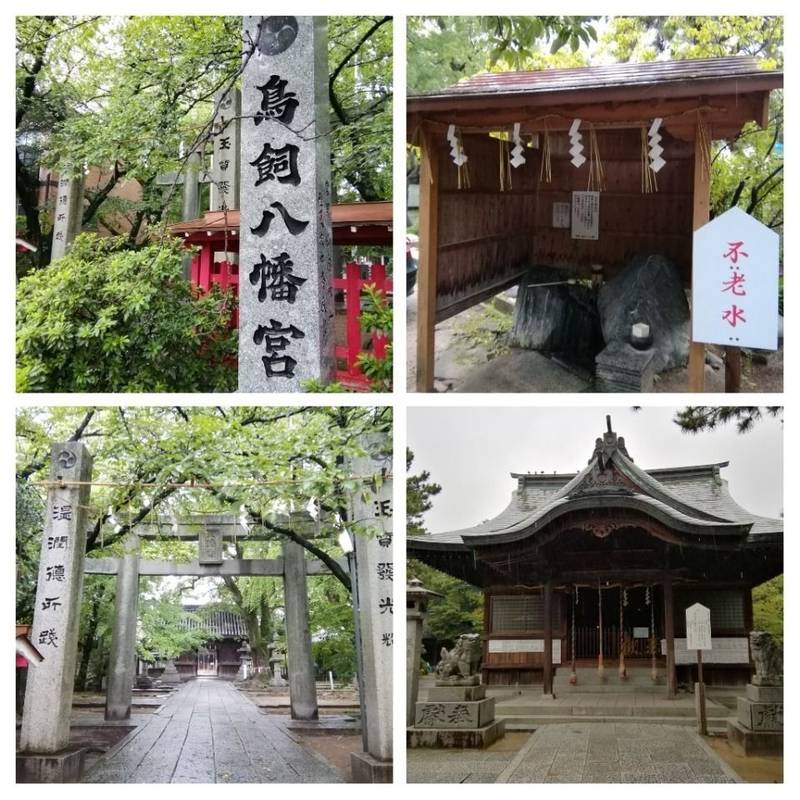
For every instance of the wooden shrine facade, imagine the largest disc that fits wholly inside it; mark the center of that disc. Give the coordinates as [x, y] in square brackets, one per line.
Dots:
[483, 225]
[599, 567]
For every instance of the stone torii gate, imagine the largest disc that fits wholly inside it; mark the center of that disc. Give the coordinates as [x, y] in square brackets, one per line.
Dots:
[44, 741]
[210, 531]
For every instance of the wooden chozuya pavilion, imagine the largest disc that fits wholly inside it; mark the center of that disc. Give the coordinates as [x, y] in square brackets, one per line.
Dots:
[478, 235]
[602, 565]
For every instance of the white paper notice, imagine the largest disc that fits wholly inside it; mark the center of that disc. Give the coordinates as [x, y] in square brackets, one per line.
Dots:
[586, 215]
[561, 215]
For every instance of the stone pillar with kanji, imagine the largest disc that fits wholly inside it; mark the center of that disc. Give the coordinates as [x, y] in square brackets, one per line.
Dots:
[56, 618]
[286, 310]
[371, 519]
[67, 215]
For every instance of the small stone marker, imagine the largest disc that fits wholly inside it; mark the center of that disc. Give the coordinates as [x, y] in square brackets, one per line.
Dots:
[225, 169]
[286, 302]
[209, 546]
[67, 215]
[735, 282]
[372, 511]
[56, 617]
[698, 637]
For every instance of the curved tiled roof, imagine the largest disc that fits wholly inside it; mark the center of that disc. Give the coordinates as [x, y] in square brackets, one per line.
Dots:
[692, 499]
[227, 624]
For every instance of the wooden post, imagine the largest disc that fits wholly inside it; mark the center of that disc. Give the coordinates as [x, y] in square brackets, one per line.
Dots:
[547, 683]
[428, 261]
[700, 216]
[622, 673]
[700, 697]
[573, 678]
[669, 635]
[600, 666]
[653, 670]
[733, 369]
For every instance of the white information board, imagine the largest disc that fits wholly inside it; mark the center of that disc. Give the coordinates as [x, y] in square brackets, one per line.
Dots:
[698, 627]
[586, 215]
[735, 282]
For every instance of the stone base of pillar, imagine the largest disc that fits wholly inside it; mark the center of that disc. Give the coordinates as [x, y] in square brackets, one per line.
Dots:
[456, 737]
[63, 767]
[754, 743]
[367, 769]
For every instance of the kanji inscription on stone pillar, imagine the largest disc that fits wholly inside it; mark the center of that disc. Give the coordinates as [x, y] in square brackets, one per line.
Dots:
[56, 616]
[286, 287]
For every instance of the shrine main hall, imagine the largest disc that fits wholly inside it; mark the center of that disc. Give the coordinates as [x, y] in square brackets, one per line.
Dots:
[592, 573]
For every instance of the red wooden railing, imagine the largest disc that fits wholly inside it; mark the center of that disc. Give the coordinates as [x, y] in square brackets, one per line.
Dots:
[351, 284]
[205, 274]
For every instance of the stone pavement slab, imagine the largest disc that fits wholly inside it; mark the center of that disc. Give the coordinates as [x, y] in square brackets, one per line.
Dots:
[581, 752]
[208, 732]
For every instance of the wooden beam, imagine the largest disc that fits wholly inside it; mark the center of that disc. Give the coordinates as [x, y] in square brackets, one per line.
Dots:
[428, 261]
[669, 635]
[547, 680]
[700, 216]
[253, 567]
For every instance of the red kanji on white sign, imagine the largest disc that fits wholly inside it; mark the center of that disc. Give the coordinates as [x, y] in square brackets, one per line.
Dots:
[735, 282]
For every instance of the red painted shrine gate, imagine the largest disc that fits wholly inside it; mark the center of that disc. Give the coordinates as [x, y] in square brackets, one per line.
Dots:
[617, 554]
[217, 234]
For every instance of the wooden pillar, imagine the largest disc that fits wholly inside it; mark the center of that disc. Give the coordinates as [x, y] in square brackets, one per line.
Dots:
[547, 681]
[669, 635]
[428, 261]
[700, 216]
[600, 666]
[733, 369]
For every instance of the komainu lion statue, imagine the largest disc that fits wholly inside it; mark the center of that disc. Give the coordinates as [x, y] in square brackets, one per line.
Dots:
[767, 657]
[463, 660]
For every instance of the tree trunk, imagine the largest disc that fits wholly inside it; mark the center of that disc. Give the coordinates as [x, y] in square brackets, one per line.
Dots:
[89, 640]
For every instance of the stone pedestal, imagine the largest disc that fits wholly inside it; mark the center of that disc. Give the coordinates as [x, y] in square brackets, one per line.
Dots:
[368, 769]
[455, 716]
[170, 674]
[63, 767]
[758, 727]
[623, 368]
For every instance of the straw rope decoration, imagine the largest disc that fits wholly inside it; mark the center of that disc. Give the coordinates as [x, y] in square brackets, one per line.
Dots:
[597, 172]
[649, 178]
[505, 166]
[704, 139]
[545, 168]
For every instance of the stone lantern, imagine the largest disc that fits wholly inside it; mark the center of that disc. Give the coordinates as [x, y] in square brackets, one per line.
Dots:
[417, 598]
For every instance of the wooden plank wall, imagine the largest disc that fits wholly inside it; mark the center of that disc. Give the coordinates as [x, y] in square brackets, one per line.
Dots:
[486, 237]
[630, 222]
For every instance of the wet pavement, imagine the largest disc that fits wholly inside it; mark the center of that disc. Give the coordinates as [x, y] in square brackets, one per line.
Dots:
[208, 732]
[578, 752]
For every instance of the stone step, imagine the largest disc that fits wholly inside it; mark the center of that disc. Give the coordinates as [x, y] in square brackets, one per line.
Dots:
[582, 712]
[530, 723]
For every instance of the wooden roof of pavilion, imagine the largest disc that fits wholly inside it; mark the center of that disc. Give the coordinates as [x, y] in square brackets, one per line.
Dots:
[374, 218]
[730, 91]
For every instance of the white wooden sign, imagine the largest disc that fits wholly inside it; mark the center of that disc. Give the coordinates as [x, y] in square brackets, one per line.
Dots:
[735, 282]
[586, 215]
[561, 215]
[641, 633]
[698, 627]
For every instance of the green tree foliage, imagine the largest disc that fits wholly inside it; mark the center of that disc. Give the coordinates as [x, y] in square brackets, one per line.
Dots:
[331, 617]
[768, 607]
[108, 319]
[443, 50]
[30, 519]
[252, 462]
[460, 610]
[376, 317]
[697, 419]
[748, 170]
[124, 93]
[166, 629]
[360, 92]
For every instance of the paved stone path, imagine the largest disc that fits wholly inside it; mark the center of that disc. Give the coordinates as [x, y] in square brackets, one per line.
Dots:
[208, 732]
[582, 752]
